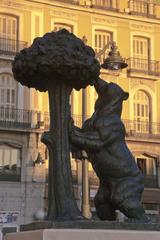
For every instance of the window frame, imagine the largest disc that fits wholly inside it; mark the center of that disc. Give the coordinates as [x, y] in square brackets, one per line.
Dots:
[8, 174]
[142, 122]
[9, 42]
[109, 34]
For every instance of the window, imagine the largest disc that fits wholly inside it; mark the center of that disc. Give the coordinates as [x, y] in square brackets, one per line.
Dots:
[142, 7]
[10, 166]
[141, 112]
[8, 96]
[8, 33]
[108, 4]
[148, 167]
[58, 26]
[101, 39]
[141, 163]
[8, 91]
[140, 54]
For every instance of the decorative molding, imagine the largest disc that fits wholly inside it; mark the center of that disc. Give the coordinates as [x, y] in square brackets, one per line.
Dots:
[149, 83]
[17, 5]
[5, 66]
[12, 143]
[63, 14]
[104, 21]
[157, 29]
[142, 27]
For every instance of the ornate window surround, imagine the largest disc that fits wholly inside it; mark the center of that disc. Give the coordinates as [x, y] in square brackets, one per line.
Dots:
[152, 96]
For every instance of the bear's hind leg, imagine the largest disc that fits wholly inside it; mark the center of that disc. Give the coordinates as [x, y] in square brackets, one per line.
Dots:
[103, 205]
[134, 210]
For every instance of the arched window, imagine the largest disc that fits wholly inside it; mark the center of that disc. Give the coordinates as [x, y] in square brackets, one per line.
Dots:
[101, 39]
[10, 164]
[8, 91]
[142, 107]
[8, 33]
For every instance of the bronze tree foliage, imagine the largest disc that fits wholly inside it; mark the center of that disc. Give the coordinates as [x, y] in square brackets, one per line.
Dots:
[54, 58]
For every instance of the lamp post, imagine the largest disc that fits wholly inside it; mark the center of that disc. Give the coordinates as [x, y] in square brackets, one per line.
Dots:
[114, 63]
[85, 177]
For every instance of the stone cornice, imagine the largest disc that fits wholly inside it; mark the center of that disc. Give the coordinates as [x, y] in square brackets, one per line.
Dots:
[16, 4]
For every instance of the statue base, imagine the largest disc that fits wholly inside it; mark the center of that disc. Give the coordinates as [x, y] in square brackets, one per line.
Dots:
[81, 234]
[90, 224]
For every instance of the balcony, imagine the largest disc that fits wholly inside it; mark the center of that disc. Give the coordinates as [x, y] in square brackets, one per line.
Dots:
[142, 8]
[29, 119]
[9, 47]
[142, 129]
[143, 66]
[12, 118]
[111, 5]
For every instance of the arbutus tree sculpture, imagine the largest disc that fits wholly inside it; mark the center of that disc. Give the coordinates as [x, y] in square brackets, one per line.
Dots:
[57, 63]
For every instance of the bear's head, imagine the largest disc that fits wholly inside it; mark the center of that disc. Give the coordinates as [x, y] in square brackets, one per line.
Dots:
[110, 97]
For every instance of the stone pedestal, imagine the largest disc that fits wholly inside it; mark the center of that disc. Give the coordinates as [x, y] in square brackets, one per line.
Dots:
[84, 234]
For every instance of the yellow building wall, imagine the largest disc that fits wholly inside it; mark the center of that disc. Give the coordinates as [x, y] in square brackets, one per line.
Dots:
[85, 20]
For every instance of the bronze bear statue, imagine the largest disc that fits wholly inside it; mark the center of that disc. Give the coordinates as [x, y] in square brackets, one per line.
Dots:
[103, 138]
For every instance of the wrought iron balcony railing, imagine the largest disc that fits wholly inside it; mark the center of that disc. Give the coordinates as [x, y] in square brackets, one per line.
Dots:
[149, 67]
[111, 5]
[28, 119]
[139, 129]
[22, 119]
[142, 8]
[10, 47]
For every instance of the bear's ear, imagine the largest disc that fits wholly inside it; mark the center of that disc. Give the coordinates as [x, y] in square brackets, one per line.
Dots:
[125, 95]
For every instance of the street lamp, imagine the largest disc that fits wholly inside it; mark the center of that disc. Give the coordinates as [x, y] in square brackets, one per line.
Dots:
[114, 63]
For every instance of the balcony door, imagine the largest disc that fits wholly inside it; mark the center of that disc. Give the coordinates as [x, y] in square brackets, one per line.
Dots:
[8, 33]
[141, 112]
[8, 97]
[141, 56]
[109, 4]
[142, 7]
[101, 39]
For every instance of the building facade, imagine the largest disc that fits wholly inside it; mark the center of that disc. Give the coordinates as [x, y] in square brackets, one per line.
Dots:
[135, 26]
